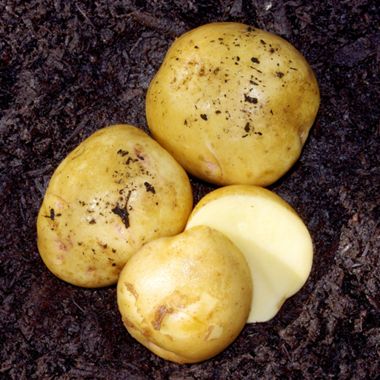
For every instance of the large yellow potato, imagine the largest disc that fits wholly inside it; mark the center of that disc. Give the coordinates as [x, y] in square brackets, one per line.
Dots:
[186, 297]
[116, 191]
[273, 238]
[233, 104]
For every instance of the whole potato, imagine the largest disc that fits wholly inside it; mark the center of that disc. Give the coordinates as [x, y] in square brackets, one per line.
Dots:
[233, 104]
[186, 297]
[115, 192]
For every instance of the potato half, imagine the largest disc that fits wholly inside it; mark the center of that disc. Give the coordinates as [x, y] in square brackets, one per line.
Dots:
[116, 191]
[273, 238]
[186, 297]
[233, 104]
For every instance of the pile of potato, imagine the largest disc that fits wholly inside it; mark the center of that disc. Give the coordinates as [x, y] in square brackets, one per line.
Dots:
[232, 105]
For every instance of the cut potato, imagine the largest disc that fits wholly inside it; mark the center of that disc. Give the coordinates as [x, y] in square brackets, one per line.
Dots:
[273, 238]
[116, 191]
[186, 297]
[233, 104]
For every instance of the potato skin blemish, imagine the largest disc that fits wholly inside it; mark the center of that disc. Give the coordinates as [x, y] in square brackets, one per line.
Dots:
[159, 316]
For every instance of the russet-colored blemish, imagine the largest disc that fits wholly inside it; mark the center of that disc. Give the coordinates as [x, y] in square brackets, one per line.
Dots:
[177, 300]
[146, 332]
[131, 289]
[127, 323]
[139, 152]
[159, 315]
[63, 246]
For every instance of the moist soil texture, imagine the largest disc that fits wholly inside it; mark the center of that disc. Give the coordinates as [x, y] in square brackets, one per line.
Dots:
[69, 68]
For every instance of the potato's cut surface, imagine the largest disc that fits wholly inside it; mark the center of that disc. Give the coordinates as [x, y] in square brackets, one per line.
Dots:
[273, 238]
[186, 297]
[116, 191]
[233, 104]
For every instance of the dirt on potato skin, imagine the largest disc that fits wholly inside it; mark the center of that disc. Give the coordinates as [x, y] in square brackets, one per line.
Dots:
[69, 68]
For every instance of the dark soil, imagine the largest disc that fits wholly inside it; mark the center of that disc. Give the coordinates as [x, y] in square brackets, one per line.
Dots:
[68, 68]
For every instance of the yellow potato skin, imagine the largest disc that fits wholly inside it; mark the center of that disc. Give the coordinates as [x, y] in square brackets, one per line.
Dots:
[186, 297]
[233, 104]
[113, 193]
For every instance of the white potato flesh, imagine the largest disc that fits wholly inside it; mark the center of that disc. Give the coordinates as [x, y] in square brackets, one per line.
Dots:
[273, 238]
[113, 193]
[186, 297]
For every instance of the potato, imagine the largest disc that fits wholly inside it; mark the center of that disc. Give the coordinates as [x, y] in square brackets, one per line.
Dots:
[233, 104]
[116, 191]
[273, 238]
[186, 297]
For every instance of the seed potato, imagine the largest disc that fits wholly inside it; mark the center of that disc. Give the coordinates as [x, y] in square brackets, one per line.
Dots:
[233, 104]
[186, 297]
[116, 191]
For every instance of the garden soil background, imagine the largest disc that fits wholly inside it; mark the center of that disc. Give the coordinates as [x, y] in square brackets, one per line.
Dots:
[69, 68]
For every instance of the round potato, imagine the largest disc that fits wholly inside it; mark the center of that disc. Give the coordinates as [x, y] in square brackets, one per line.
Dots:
[186, 297]
[233, 104]
[116, 191]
